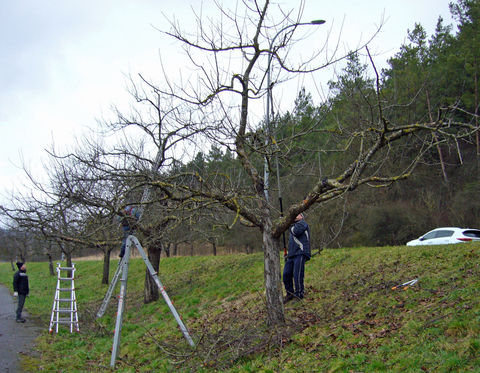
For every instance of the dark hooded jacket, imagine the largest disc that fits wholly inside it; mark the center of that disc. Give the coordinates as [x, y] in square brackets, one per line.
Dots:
[299, 241]
[20, 281]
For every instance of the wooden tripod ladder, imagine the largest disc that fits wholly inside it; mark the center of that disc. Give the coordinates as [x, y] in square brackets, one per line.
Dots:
[64, 310]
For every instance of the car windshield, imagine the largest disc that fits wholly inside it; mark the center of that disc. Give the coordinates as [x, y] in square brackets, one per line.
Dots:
[474, 233]
[444, 233]
[438, 234]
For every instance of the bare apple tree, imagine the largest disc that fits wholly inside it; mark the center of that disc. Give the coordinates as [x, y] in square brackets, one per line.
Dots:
[229, 62]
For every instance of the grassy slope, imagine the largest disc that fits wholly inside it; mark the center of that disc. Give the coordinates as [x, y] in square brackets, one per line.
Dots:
[351, 319]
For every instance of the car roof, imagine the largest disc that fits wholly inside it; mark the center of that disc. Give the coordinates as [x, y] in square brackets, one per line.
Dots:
[454, 228]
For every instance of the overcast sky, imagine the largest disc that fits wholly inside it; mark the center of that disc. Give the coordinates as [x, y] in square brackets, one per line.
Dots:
[63, 62]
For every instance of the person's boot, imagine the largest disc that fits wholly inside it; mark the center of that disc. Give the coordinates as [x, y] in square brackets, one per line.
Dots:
[288, 298]
[21, 319]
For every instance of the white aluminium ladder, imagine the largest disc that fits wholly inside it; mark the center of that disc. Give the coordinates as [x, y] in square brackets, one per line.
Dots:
[123, 271]
[64, 310]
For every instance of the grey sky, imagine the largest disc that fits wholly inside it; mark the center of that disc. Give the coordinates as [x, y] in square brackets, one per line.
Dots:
[63, 62]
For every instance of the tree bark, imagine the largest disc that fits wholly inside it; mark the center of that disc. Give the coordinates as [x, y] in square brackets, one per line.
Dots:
[68, 255]
[175, 248]
[435, 138]
[151, 293]
[214, 248]
[106, 266]
[272, 276]
[476, 106]
[167, 249]
[50, 264]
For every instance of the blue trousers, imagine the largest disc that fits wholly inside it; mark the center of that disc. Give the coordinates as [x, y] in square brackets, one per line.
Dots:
[127, 231]
[293, 274]
[21, 302]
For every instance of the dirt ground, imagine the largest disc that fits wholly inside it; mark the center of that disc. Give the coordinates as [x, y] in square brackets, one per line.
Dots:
[16, 339]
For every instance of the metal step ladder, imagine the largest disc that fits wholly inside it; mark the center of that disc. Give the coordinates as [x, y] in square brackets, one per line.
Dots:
[122, 274]
[64, 310]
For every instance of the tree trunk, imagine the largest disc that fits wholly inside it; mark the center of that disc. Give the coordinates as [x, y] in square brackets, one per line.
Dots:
[191, 249]
[175, 248]
[435, 138]
[68, 254]
[151, 293]
[214, 248]
[167, 249]
[106, 265]
[476, 107]
[50, 264]
[272, 276]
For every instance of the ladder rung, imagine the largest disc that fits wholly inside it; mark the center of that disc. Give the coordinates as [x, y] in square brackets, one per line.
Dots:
[65, 289]
[65, 268]
[65, 310]
[64, 300]
[64, 322]
[65, 278]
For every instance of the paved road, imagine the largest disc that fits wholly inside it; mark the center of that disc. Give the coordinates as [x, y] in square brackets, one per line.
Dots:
[15, 339]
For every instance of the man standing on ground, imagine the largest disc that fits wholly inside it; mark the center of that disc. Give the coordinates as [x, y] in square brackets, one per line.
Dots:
[20, 288]
[298, 254]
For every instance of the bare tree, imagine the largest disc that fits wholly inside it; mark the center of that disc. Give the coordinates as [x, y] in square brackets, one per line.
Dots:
[232, 58]
[222, 99]
[174, 121]
[57, 212]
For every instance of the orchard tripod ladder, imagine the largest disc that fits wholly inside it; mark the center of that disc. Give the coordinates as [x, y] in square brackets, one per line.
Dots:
[123, 270]
[65, 301]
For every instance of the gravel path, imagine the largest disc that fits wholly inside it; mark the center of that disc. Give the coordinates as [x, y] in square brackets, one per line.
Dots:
[16, 339]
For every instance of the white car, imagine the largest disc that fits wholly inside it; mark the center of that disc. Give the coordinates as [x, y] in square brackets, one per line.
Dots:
[445, 236]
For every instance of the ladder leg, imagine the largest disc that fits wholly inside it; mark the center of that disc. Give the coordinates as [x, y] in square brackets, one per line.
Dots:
[74, 306]
[72, 299]
[109, 293]
[123, 291]
[57, 302]
[180, 323]
[121, 303]
[54, 316]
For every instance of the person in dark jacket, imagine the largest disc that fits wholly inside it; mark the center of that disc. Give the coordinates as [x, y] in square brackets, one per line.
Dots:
[20, 288]
[129, 220]
[298, 254]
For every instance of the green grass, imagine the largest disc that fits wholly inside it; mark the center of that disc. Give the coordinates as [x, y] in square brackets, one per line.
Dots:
[351, 319]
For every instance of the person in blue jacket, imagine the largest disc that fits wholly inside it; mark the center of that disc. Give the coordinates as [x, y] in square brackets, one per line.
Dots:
[298, 254]
[129, 222]
[20, 289]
